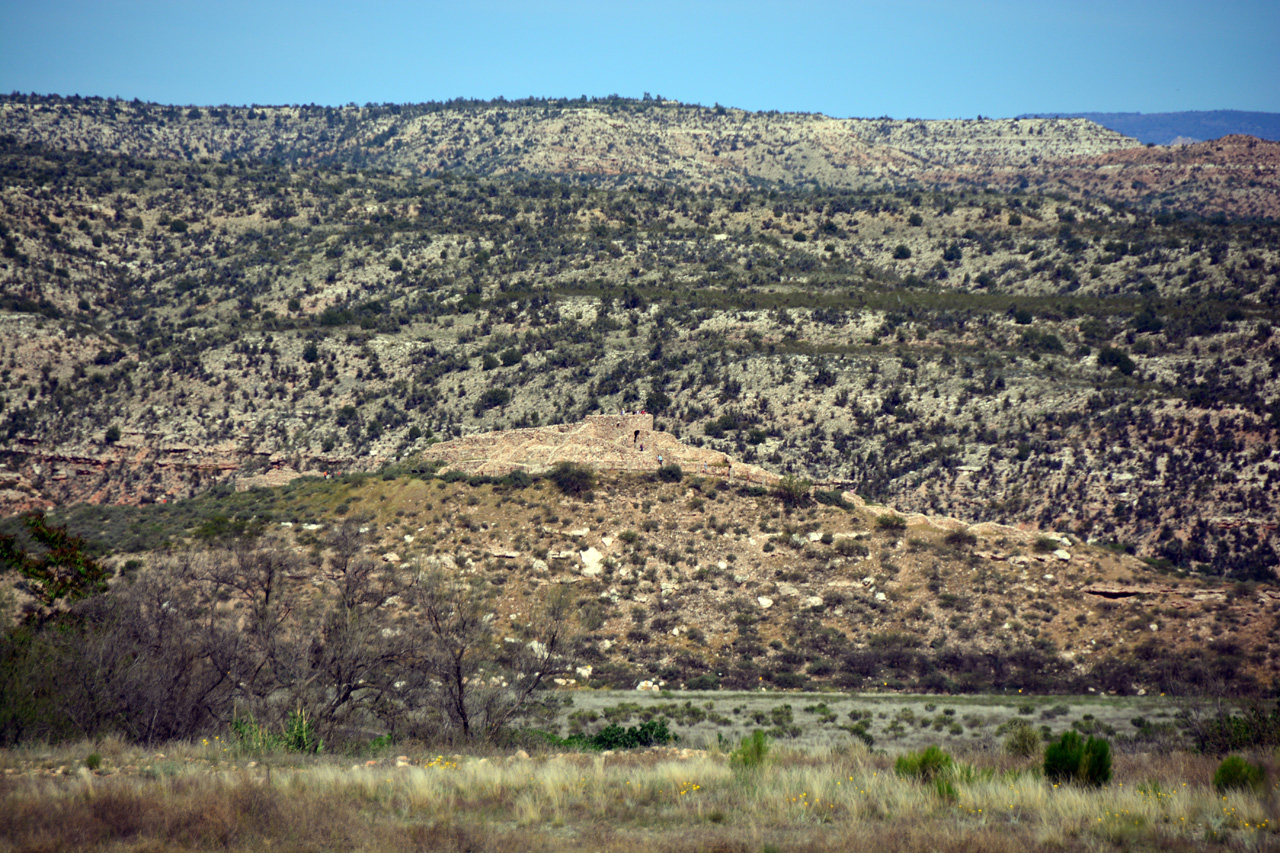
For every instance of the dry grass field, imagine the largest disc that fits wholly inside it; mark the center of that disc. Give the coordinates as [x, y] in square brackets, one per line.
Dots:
[206, 795]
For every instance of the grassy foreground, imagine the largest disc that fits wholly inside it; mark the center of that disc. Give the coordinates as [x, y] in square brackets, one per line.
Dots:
[209, 796]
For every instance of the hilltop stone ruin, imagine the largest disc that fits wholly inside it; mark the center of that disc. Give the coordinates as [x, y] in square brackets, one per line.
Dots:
[621, 442]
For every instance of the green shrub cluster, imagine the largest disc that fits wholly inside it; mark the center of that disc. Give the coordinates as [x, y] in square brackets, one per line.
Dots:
[924, 766]
[1256, 728]
[1235, 773]
[1022, 740]
[671, 473]
[650, 733]
[1074, 759]
[297, 735]
[752, 752]
[792, 491]
[573, 479]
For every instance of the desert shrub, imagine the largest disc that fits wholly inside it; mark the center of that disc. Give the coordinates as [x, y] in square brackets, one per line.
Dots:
[653, 732]
[1062, 759]
[860, 730]
[1235, 773]
[851, 548]
[650, 733]
[789, 680]
[1046, 543]
[960, 539]
[1074, 759]
[516, 480]
[573, 479]
[1023, 740]
[94, 761]
[491, 399]
[1228, 732]
[752, 752]
[924, 766]
[670, 473]
[706, 681]
[891, 522]
[1117, 358]
[792, 491]
[832, 497]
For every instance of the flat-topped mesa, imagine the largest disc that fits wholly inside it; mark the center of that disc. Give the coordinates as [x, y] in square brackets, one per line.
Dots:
[621, 442]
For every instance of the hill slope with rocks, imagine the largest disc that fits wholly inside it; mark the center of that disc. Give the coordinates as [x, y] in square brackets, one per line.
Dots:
[689, 580]
[608, 141]
[616, 142]
[170, 321]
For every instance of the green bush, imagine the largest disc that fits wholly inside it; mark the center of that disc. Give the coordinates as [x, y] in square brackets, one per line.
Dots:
[572, 479]
[859, 730]
[1074, 759]
[1023, 740]
[94, 761]
[1117, 358]
[752, 752]
[516, 480]
[1255, 728]
[613, 736]
[670, 473]
[298, 734]
[1235, 773]
[792, 491]
[832, 497]
[651, 733]
[1062, 759]
[924, 766]
[492, 399]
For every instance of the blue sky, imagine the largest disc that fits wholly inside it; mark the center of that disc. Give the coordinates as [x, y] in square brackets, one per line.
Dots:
[916, 58]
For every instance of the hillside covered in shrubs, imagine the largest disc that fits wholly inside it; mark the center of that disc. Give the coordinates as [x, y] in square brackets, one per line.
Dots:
[172, 319]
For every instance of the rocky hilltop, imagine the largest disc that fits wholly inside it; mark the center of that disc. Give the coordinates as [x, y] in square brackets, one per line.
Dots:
[992, 142]
[621, 442]
[620, 142]
[693, 145]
